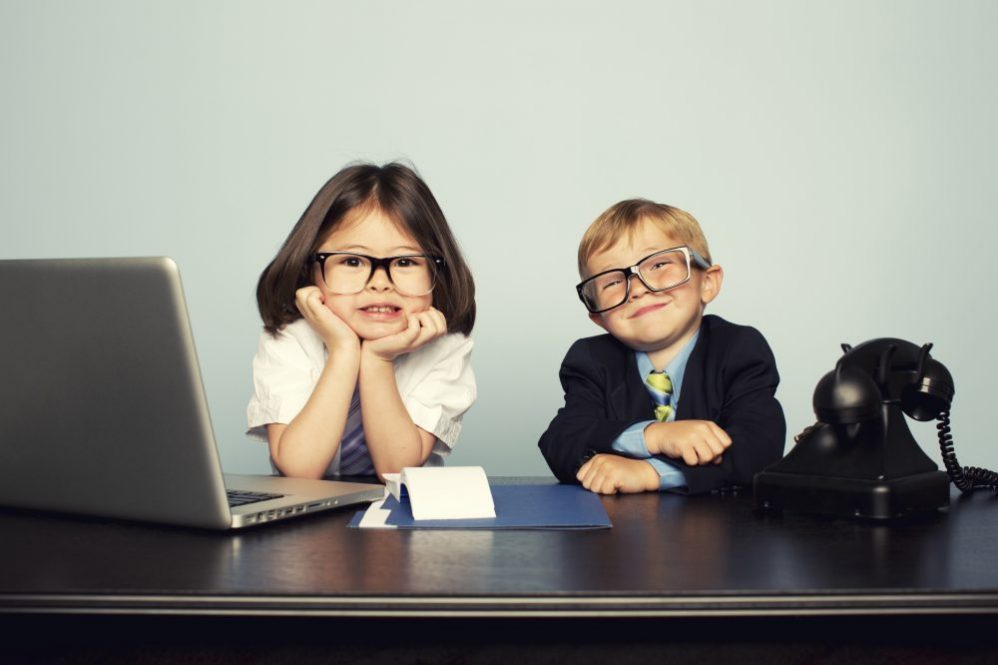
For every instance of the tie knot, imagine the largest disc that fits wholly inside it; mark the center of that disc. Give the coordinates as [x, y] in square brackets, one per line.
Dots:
[660, 381]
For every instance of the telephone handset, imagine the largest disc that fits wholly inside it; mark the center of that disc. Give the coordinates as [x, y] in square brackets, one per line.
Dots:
[859, 458]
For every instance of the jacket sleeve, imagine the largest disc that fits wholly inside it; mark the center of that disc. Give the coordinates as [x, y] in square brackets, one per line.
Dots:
[749, 412]
[584, 426]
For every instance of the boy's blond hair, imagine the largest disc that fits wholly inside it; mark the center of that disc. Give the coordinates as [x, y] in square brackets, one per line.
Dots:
[622, 218]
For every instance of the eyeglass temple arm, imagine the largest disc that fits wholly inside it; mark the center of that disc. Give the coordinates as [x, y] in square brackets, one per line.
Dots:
[698, 259]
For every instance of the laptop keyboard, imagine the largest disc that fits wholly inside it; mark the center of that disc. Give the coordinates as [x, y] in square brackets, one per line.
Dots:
[242, 497]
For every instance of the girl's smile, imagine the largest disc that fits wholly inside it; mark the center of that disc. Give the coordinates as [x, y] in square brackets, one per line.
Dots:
[379, 309]
[382, 312]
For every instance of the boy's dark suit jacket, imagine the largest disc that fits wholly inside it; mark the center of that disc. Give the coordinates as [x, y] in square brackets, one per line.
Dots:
[730, 379]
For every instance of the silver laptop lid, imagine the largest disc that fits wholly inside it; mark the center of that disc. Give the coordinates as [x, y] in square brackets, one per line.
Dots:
[102, 409]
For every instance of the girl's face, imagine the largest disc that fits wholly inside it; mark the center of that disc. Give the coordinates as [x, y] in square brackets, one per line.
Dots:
[379, 309]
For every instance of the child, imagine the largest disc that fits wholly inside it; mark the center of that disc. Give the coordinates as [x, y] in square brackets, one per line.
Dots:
[711, 419]
[363, 365]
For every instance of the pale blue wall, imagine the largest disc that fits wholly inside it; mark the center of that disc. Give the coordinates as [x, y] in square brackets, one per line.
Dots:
[840, 155]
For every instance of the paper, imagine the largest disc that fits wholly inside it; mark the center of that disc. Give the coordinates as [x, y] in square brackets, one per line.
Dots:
[376, 516]
[443, 493]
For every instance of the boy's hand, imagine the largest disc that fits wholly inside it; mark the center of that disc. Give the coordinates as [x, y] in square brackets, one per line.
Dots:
[333, 330]
[609, 474]
[422, 328]
[696, 442]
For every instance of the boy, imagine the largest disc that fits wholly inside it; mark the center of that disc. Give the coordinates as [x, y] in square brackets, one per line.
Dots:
[670, 398]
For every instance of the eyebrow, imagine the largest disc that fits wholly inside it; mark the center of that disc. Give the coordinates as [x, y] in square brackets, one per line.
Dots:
[647, 251]
[369, 250]
[604, 268]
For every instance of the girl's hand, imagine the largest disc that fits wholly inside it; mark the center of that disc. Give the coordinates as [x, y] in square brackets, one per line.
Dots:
[332, 329]
[422, 328]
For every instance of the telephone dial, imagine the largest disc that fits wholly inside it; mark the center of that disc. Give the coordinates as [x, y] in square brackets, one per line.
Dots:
[859, 459]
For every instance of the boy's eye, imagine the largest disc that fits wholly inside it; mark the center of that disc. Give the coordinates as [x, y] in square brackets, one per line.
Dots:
[609, 283]
[664, 262]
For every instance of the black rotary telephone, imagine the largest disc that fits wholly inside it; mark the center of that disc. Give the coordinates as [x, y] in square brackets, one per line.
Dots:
[860, 459]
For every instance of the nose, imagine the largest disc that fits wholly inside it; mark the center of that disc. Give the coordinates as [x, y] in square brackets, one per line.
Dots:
[637, 286]
[379, 280]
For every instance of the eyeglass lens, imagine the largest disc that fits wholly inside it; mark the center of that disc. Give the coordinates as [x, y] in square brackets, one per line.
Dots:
[660, 272]
[345, 274]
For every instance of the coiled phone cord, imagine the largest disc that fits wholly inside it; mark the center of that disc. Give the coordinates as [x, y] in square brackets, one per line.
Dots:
[966, 478]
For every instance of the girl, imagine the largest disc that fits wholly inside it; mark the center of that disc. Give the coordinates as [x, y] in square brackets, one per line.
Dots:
[363, 365]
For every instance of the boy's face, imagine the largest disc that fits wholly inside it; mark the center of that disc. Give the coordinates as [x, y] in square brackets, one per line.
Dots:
[656, 323]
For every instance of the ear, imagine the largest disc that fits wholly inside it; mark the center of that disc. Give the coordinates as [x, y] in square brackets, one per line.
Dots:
[710, 283]
[597, 319]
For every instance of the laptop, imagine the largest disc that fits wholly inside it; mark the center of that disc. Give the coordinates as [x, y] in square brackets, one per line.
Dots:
[102, 409]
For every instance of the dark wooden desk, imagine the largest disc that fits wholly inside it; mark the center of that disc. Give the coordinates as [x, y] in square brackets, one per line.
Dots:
[672, 571]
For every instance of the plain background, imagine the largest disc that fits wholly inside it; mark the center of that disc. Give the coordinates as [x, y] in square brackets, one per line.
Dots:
[840, 156]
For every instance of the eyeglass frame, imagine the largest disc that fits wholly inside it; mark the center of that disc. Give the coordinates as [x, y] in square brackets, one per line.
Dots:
[630, 271]
[385, 262]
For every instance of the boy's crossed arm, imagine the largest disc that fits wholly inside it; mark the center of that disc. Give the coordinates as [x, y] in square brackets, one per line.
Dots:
[747, 412]
[608, 473]
[695, 442]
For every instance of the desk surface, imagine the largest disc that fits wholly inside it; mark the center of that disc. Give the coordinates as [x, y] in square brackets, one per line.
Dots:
[666, 555]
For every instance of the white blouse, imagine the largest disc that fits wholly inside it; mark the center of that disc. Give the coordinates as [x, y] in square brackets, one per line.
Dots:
[435, 382]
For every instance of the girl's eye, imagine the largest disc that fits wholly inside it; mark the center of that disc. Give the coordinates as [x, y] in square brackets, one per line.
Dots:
[408, 262]
[351, 261]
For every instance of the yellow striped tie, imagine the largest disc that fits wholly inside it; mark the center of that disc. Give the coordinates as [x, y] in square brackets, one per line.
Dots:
[661, 389]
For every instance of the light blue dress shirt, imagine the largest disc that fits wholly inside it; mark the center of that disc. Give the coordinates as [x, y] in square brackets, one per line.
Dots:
[631, 441]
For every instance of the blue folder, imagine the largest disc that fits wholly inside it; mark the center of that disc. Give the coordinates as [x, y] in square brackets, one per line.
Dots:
[517, 507]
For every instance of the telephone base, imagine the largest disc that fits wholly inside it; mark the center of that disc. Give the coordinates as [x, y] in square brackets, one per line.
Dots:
[852, 497]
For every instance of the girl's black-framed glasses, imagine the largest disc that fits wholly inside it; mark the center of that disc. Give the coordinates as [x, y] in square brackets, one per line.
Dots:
[346, 273]
[661, 271]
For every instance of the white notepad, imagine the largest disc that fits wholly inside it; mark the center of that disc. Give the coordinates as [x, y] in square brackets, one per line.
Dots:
[436, 493]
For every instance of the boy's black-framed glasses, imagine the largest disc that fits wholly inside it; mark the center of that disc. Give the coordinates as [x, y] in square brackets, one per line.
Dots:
[661, 271]
[346, 273]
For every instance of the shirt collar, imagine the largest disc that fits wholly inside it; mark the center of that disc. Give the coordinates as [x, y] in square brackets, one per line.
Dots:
[675, 369]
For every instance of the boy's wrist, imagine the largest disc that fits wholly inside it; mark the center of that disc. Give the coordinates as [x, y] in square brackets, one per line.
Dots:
[650, 477]
[654, 440]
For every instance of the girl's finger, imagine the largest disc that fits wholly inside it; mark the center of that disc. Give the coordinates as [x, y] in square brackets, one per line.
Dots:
[411, 331]
[440, 320]
[428, 328]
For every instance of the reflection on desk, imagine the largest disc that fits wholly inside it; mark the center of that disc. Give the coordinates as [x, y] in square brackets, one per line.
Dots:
[666, 555]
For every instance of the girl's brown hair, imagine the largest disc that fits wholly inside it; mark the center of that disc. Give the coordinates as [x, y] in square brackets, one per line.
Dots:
[399, 193]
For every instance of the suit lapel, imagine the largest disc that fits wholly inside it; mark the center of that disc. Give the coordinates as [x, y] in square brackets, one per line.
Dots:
[691, 400]
[629, 399]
